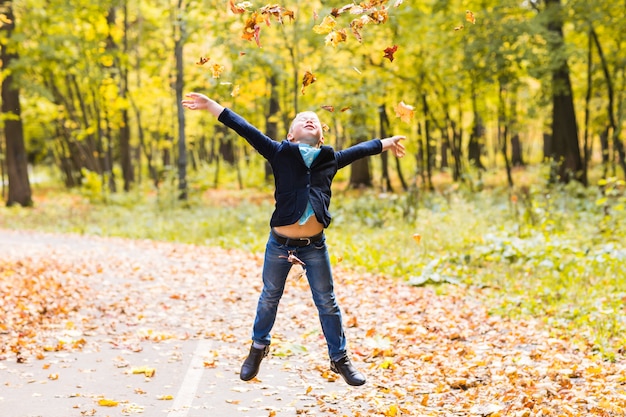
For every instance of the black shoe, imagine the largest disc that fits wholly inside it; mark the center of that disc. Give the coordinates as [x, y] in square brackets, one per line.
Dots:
[349, 373]
[250, 367]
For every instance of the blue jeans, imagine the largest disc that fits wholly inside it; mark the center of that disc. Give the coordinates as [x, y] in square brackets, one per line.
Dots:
[319, 275]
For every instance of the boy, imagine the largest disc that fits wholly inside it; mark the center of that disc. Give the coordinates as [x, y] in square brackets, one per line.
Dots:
[303, 172]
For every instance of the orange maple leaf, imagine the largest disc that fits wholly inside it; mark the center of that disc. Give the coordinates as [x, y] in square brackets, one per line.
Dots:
[469, 16]
[203, 60]
[404, 111]
[390, 51]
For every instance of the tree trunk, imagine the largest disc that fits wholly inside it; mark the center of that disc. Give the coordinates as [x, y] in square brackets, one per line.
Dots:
[384, 157]
[271, 125]
[614, 126]
[182, 147]
[477, 136]
[16, 161]
[128, 173]
[360, 175]
[427, 146]
[517, 158]
[503, 132]
[565, 147]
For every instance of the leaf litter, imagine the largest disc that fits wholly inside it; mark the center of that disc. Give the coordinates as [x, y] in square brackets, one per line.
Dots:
[423, 353]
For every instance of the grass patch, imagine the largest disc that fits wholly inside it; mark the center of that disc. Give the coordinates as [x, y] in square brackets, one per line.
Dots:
[556, 253]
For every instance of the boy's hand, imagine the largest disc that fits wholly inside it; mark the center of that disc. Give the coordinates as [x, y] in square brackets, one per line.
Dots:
[393, 144]
[195, 101]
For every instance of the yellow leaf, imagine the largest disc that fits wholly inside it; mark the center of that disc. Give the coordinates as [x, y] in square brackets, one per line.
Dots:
[404, 111]
[335, 37]
[469, 16]
[165, 397]
[107, 403]
[392, 411]
[387, 364]
[149, 372]
[217, 70]
[327, 25]
[308, 79]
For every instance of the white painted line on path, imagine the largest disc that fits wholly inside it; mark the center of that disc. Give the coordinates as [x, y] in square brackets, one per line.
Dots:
[189, 386]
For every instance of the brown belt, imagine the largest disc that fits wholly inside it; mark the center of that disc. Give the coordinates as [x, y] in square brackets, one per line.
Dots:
[299, 242]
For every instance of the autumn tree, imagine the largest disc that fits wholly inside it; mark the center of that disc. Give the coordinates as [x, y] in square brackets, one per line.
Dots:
[16, 161]
[565, 149]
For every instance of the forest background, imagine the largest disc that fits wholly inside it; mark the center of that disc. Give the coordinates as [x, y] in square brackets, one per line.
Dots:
[514, 113]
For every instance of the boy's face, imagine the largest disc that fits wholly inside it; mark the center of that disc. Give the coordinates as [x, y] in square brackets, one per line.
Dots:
[306, 128]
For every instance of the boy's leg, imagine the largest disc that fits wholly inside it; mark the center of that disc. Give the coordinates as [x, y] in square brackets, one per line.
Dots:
[275, 271]
[319, 274]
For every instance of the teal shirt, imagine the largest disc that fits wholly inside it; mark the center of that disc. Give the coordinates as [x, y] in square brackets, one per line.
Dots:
[309, 153]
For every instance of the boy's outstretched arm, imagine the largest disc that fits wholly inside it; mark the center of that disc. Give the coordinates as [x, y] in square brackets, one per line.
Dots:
[197, 101]
[393, 144]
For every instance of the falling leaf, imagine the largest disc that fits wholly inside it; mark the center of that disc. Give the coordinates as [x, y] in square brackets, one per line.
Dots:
[217, 70]
[404, 111]
[469, 16]
[459, 28]
[390, 51]
[327, 26]
[308, 79]
[417, 238]
[252, 29]
[4, 19]
[328, 108]
[336, 37]
[235, 91]
[239, 8]
[203, 60]
[277, 11]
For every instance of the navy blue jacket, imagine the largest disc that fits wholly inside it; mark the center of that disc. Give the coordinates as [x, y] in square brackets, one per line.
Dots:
[296, 184]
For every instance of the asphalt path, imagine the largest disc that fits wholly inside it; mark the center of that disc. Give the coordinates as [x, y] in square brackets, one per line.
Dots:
[195, 347]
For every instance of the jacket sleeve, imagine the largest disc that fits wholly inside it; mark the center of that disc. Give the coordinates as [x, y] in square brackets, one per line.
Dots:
[358, 151]
[259, 141]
